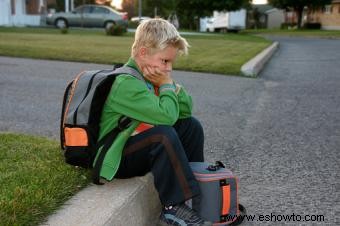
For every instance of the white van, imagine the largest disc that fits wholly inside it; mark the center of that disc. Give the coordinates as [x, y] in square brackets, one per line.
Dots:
[226, 21]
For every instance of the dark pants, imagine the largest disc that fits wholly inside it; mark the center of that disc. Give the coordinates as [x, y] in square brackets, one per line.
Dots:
[166, 152]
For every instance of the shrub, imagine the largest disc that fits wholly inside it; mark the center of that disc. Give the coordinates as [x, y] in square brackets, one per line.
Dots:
[316, 26]
[133, 24]
[288, 25]
[64, 30]
[115, 30]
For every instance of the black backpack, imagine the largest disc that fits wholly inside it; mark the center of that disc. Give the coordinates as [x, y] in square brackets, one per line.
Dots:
[82, 107]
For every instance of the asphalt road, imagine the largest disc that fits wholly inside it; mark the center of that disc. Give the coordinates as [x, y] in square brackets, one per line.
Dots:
[279, 133]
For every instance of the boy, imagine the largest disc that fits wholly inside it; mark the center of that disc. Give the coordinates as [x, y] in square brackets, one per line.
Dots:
[168, 137]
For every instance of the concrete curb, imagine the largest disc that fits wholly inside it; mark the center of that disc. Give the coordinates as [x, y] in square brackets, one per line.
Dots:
[253, 67]
[118, 203]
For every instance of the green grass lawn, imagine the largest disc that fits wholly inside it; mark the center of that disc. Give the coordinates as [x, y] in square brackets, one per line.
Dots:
[223, 54]
[34, 180]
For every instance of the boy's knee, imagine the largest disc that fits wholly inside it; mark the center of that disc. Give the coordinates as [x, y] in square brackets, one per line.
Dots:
[194, 125]
[197, 124]
[169, 139]
[168, 132]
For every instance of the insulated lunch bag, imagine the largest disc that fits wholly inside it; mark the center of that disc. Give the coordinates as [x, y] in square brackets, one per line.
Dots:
[218, 202]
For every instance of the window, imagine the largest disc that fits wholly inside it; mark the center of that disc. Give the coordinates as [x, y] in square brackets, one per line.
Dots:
[83, 9]
[32, 7]
[328, 9]
[100, 10]
[13, 7]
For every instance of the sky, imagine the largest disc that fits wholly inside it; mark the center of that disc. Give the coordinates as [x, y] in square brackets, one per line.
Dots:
[117, 3]
[259, 1]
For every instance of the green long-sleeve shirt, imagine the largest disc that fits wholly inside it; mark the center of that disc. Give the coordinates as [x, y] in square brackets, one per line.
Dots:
[136, 99]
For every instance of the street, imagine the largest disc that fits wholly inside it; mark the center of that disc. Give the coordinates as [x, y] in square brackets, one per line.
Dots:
[280, 133]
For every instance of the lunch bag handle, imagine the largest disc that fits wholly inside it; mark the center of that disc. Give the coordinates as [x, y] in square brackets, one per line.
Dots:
[218, 165]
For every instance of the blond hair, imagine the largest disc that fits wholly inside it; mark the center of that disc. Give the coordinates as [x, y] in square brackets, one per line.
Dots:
[158, 34]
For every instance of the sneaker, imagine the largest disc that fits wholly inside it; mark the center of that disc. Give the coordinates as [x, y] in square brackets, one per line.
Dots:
[181, 215]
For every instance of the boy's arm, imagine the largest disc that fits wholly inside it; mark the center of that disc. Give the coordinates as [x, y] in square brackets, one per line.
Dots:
[132, 98]
[159, 78]
[184, 101]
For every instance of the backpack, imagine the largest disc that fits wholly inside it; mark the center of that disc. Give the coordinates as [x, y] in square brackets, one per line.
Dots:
[82, 107]
[218, 201]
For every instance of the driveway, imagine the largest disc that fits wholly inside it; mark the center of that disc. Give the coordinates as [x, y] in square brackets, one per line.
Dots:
[279, 133]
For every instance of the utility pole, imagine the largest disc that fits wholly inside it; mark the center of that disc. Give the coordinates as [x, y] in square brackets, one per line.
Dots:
[67, 6]
[140, 9]
[155, 12]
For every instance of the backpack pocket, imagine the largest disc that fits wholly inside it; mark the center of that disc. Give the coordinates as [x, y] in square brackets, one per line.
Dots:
[78, 156]
[75, 137]
[76, 146]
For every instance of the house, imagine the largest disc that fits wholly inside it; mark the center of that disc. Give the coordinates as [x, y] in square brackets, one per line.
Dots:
[265, 16]
[275, 18]
[25, 12]
[30, 12]
[22, 12]
[328, 16]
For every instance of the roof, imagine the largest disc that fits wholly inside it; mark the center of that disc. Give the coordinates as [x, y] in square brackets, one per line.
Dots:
[262, 8]
[272, 10]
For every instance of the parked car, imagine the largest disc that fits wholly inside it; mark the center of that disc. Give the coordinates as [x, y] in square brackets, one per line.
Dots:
[88, 16]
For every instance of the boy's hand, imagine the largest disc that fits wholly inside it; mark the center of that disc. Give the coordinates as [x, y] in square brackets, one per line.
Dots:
[156, 76]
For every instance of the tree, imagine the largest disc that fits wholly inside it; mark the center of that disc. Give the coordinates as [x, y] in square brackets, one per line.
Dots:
[189, 10]
[186, 10]
[204, 7]
[256, 17]
[81, 2]
[60, 4]
[151, 8]
[161, 8]
[298, 6]
[130, 6]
